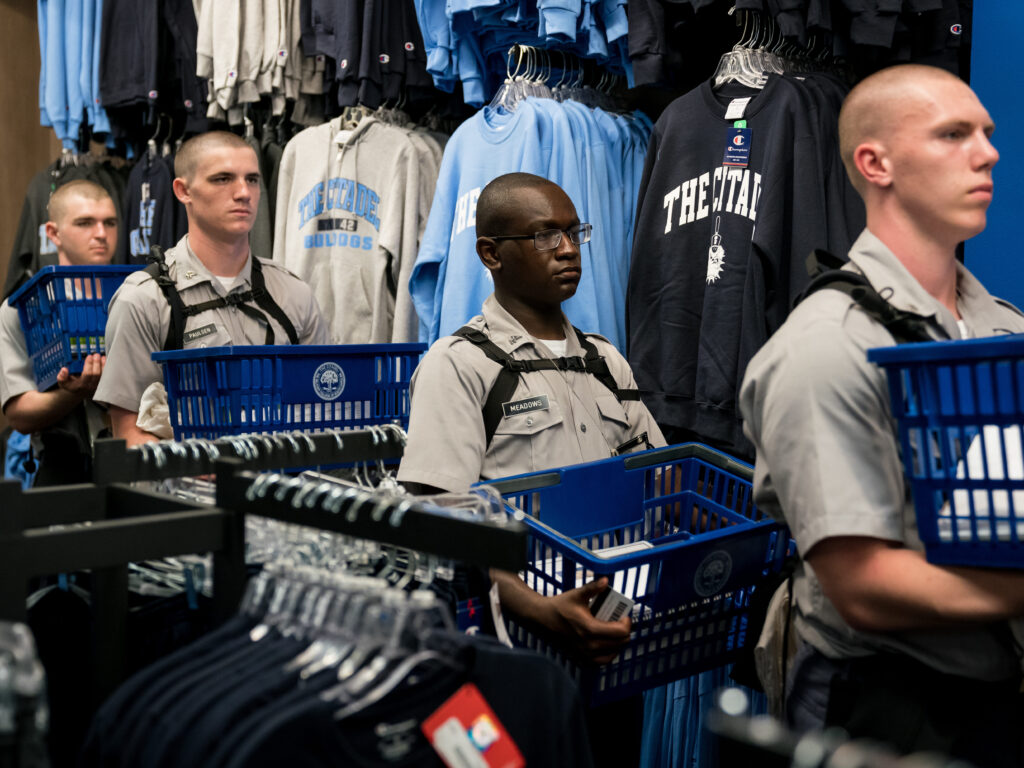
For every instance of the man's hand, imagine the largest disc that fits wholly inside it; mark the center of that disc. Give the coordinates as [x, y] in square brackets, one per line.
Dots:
[600, 641]
[83, 385]
[566, 616]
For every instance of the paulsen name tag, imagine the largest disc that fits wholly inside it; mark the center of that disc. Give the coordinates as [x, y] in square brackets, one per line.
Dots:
[200, 333]
[538, 403]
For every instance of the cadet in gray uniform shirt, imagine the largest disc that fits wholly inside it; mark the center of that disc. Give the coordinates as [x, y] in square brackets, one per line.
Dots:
[218, 183]
[893, 647]
[83, 227]
[528, 238]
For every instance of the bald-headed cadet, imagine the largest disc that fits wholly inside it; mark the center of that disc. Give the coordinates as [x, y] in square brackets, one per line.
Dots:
[217, 180]
[83, 226]
[893, 647]
[529, 238]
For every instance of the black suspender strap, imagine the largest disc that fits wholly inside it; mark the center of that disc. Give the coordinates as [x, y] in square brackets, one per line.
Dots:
[158, 269]
[508, 377]
[180, 312]
[267, 304]
[905, 327]
[596, 365]
[504, 386]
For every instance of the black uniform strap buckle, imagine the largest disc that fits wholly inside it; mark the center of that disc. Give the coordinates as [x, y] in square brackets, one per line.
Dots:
[238, 297]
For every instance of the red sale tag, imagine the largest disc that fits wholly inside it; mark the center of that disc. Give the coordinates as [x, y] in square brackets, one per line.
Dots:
[466, 733]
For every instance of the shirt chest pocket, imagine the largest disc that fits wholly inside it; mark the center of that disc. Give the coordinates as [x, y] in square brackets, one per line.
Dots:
[612, 413]
[205, 335]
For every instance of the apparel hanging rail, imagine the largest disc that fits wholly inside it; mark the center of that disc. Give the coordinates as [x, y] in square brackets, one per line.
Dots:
[116, 463]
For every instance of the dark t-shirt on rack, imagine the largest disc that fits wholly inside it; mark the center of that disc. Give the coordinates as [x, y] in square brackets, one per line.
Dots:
[718, 251]
[532, 697]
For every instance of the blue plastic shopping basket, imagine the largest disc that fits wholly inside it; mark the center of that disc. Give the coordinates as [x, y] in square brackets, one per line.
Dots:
[676, 530]
[220, 391]
[63, 312]
[960, 407]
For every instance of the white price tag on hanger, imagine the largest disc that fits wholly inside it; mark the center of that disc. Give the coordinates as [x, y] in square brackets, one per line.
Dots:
[736, 108]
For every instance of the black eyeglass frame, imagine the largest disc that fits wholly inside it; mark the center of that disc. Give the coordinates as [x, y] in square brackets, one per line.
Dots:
[589, 228]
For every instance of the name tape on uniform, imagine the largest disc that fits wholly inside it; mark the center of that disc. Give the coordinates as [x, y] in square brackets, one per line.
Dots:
[200, 333]
[513, 407]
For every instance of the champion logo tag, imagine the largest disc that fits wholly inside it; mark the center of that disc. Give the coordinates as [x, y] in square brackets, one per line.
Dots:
[343, 63]
[738, 140]
[329, 381]
[410, 47]
[153, 94]
[384, 58]
[956, 29]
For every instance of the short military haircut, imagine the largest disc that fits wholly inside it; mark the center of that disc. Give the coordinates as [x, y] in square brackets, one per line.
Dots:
[187, 159]
[497, 208]
[878, 104]
[57, 207]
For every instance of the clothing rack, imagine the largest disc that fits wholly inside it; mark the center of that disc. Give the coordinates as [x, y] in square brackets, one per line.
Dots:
[114, 462]
[396, 520]
[743, 739]
[99, 526]
[70, 528]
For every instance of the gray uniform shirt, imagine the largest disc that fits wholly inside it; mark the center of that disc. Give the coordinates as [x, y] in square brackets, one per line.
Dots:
[828, 458]
[15, 367]
[16, 376]
[139, 316]
[565, 417]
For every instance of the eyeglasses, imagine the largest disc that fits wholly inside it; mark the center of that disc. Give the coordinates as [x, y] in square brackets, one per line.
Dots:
[549, 239]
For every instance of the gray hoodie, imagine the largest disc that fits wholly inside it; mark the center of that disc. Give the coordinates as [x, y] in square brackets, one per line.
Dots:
[351, 208]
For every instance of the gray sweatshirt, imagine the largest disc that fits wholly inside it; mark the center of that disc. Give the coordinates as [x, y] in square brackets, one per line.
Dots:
[351, 209]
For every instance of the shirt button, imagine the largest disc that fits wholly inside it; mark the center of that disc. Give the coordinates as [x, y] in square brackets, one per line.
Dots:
[529, 421]
[583, 427]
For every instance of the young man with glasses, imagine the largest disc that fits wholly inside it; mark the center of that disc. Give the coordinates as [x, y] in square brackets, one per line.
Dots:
[577, 404]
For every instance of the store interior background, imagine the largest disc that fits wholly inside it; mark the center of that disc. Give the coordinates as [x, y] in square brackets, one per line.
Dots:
[997, 70]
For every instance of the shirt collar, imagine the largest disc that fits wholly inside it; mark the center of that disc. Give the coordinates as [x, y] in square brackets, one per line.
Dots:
[191, 271]
[894, 282]
[508, 333]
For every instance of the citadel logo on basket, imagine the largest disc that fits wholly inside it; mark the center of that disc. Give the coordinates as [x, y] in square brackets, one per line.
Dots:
[329, 381]
[712, 573]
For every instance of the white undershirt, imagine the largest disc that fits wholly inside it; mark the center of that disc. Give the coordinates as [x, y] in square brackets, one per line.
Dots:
[965, 332]
[227, 282]
[557, 347]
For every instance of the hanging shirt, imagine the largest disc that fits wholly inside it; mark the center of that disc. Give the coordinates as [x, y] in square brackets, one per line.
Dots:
[350, 213]
[718, 252]
[448, 283]
[149, 211]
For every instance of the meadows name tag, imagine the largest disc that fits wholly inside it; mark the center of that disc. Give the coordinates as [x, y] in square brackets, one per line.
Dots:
[538, 403]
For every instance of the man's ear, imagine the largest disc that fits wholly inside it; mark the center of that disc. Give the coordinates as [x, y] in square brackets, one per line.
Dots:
[873, 163]
[487, 250]
[51, 233]
[180, 187]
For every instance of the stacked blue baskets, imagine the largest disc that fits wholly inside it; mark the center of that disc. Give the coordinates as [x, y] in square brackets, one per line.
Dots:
[63, 312]
[676, 531]
[960, 406]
